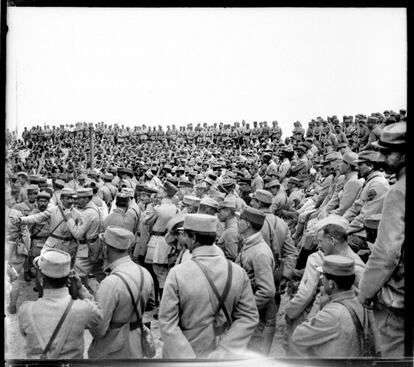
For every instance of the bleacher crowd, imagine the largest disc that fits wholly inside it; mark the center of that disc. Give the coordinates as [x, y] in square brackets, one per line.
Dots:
[210, 226]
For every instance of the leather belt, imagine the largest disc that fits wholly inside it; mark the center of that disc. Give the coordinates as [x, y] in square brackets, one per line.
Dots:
[88, 241]
[61, 238]
[39, 237]
[116, 325]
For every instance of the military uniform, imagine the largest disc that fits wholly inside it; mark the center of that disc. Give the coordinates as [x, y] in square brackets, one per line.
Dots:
[38, 320]
[229, 239]
[187, 312]
[113, 337]
[86, 230]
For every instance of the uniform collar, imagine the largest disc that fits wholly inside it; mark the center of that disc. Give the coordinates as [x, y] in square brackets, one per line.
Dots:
[253, 240]
[55, 292]
[342, 295]
[205, 251]
[112, 266]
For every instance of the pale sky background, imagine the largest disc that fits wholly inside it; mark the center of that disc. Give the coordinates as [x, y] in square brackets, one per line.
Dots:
[164, 66]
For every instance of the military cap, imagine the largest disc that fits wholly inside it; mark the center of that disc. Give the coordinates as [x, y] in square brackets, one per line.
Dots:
[217, 196]
[302, 148]
[32, 188]
[34, 179]
[66, 191]
[228, 203]
[332, 156]
[84, 192]
[170, 188]
[272, 183]
[122, 198]
[200, 185]
[337, 265]
[149, 190]
[368, 156]
[59, 184]
[206, 201]
[263, 196]
[294, 180]
[342, 145]
[175, 222]
[180, 169]
[108, 176]
[203, 223]
[350, 158]
[244, 180]
[209, 180]
[373, 119]
[93, 173]
[228, 181]
[42, 179]
[23, 174]
[267, 154]
[185, 183]
[117, 237]
[392, 137]
[44, 195]
[128, 192]
[253, 215]
[372, 221]
[190, 200]
[333, 219]
[287, 149]
[53, 263]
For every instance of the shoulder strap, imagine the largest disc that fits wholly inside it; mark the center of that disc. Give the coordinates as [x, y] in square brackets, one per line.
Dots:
[134, 304]
[58, 326]
[357, 323]
[221, 298]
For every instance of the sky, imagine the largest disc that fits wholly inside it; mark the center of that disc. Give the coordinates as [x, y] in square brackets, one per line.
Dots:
[178, 65]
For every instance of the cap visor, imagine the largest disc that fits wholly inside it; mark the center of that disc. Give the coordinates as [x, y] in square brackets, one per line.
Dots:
[319, 268]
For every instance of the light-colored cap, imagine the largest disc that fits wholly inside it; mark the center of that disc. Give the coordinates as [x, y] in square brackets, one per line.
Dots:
[66, 191]
[32, 188]
[44, 195]
[332, 219]
[128, 192]
[228, 203]
[174, 221]
[392, 136]
[203, 223]
[263, 196]
[368, 156]
[191, 200]
[350, 157]
[53, 263]
[84, 192]
[337, 265]
[117, 237]
[209, 202]
[253, 215]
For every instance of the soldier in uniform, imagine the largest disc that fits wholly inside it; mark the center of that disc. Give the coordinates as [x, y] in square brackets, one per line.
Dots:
[157, 249]
[382, 284]
[119, 217]
[85, 223]
[118, 335]
[16, 249]
[38, 319]
[332, 331]
[256, 259]
[28, 206]
[229, 239]
[189, 329]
